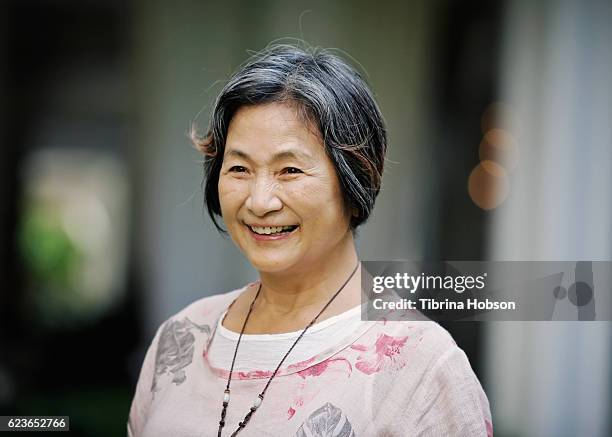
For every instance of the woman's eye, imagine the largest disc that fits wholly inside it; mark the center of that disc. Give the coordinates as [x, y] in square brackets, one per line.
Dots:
[292, 170]
[237, 169]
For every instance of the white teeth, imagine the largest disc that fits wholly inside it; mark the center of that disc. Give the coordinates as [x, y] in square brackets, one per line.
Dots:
[267, 230]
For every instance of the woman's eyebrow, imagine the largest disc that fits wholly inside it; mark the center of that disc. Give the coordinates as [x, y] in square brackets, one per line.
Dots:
[290, 154]
[238, 154]
[278, 156]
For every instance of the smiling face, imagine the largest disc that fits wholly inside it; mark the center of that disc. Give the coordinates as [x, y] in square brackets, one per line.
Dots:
[278, 190]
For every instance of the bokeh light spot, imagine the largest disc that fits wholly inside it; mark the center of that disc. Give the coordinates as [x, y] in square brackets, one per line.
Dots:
[499, 146]
[488, 185]
[499, 115]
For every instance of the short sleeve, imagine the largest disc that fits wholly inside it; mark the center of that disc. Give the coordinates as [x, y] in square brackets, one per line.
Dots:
[451, 401]
[143, 395]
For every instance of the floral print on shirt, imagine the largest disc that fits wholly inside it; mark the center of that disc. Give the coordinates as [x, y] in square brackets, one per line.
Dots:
[384, 353]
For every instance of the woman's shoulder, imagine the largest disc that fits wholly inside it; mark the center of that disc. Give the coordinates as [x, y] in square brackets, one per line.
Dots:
[423, 333]
[417, 363]
[207, 309]
[411, 346]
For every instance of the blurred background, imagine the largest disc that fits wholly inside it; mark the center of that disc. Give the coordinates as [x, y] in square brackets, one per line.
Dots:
[499, 116]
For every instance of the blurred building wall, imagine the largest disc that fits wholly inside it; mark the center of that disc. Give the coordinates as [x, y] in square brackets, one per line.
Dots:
[553, 378]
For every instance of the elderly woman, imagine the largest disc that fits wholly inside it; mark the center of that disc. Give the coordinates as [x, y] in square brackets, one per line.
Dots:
[294, 157]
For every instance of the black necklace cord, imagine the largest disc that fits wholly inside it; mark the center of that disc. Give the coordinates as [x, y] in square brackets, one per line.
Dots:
[226, 395]
[260, 397]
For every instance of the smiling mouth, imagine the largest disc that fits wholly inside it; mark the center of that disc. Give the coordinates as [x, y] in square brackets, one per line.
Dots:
[272, 230]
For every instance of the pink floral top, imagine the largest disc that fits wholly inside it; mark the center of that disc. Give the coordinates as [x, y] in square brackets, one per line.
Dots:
[400, 378]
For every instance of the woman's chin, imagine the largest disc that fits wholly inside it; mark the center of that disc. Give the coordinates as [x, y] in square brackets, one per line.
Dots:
[271, 264]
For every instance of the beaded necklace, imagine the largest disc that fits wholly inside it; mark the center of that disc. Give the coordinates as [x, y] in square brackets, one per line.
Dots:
[260, 397]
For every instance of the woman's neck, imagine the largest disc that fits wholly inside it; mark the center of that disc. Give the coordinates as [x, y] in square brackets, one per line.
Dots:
[311, 286]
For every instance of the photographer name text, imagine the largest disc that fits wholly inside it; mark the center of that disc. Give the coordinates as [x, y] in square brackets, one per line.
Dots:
[446, 304]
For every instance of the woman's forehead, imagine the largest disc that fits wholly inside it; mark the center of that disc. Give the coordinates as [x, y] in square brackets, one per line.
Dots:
[277, 117]
[274, 129]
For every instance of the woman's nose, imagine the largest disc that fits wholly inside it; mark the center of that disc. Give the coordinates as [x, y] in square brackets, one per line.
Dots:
[263, 197]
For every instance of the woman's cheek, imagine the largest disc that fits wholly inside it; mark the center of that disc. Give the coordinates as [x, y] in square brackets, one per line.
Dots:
[311, 196]
[231, 191]
[307, 190]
